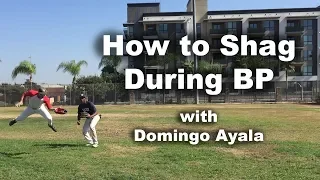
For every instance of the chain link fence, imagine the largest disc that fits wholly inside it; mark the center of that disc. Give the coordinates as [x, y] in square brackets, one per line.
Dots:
[117, 94]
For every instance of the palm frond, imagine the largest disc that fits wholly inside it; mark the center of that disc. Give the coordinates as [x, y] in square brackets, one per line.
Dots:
[25, 67]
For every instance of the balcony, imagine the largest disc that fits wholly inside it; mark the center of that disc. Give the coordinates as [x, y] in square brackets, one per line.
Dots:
[218, 31]
[295, 30]
[256, 30]
[180, 33]
[150, 34]
[216, 47]
[298, 61]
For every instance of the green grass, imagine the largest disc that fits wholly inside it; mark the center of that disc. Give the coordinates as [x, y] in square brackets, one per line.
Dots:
[30, 150]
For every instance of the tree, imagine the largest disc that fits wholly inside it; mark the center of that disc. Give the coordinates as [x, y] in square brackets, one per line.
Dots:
[288, 68]
[73, 68]
[109, 65]
[188, 66]
[206, 68]
[25, 67]
[163, 61]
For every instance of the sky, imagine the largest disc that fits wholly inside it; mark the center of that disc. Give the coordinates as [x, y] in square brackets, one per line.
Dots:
[55, 31]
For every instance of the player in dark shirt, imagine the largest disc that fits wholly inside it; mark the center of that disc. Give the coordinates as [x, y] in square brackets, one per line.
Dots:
[88, 110]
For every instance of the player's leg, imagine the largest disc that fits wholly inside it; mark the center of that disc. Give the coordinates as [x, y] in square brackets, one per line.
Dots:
[93, 125]
[46, 114]
[26, 113]
[86, 131]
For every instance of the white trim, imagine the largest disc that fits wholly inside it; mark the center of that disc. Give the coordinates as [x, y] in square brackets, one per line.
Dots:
[166, 18]
[264, 15]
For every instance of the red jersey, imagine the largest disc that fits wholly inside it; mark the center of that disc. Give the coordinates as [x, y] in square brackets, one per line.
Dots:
[35, 102]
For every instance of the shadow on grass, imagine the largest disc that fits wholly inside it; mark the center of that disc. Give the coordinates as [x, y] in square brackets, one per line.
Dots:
[59, 145]
[12, 155]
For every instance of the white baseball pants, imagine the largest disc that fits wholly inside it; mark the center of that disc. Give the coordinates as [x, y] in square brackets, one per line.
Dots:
[90, 126]
[29, 111]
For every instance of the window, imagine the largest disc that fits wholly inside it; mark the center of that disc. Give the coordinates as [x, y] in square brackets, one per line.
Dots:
[216, 43]
[253, 25]
[163, 28]
[198, 30]
[290, 24]
[216, 26]
[179, 28]
[307, 55]
[269, 37]
[268, 25]
[232, 27]
[130, 30]
[307, 70]
[307, 40]
[307, 24]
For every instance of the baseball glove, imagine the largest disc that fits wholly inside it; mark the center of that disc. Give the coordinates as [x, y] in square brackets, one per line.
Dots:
[60, 111]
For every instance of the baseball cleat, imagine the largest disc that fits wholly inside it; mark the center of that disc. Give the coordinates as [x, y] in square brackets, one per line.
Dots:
[12, 122]
[53, 128]
[89, 144]
[95, 145]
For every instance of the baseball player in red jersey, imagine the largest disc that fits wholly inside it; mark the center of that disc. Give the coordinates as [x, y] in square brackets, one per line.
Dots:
[38, 101]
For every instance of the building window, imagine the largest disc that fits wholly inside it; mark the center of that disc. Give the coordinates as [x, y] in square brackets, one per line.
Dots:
[216, 43]
[307, 55]
[268, 25]
[307, 70]
[269, 37]
[307, 40]
[163, 28]
[216, 26]
[198, 30]
[290, 24]
[307, 24]
[232, 27]
[130, 30]
[253, 25]
[179, 28]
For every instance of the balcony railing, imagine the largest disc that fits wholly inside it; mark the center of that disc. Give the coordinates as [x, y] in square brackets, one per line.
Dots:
[292, 29]
[216, 46]
[298, 61]
[256, 30]
[150, 33]
[218, 31]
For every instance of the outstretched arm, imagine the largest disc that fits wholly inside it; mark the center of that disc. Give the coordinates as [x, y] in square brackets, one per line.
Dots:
[26, 94]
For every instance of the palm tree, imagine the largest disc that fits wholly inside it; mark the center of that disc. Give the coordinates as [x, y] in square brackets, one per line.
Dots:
[288, 68]
[73, 68]
[188, 66]
[25, 67]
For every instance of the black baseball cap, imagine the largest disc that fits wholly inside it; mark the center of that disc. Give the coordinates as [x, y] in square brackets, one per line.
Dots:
[42, 91]
[82, 96]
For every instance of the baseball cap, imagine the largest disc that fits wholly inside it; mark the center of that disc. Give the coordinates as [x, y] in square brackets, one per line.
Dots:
[42, 91]
[82, 96]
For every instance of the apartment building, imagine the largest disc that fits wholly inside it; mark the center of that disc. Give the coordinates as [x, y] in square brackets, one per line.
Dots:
[146, 21]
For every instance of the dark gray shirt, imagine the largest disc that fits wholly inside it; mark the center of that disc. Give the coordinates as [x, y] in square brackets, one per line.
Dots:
[88, 107]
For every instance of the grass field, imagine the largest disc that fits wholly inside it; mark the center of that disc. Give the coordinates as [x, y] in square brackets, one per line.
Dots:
[30, 150]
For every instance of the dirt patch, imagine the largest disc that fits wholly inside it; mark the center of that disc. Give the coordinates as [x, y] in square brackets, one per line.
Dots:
[124, 151]
[258, 150]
